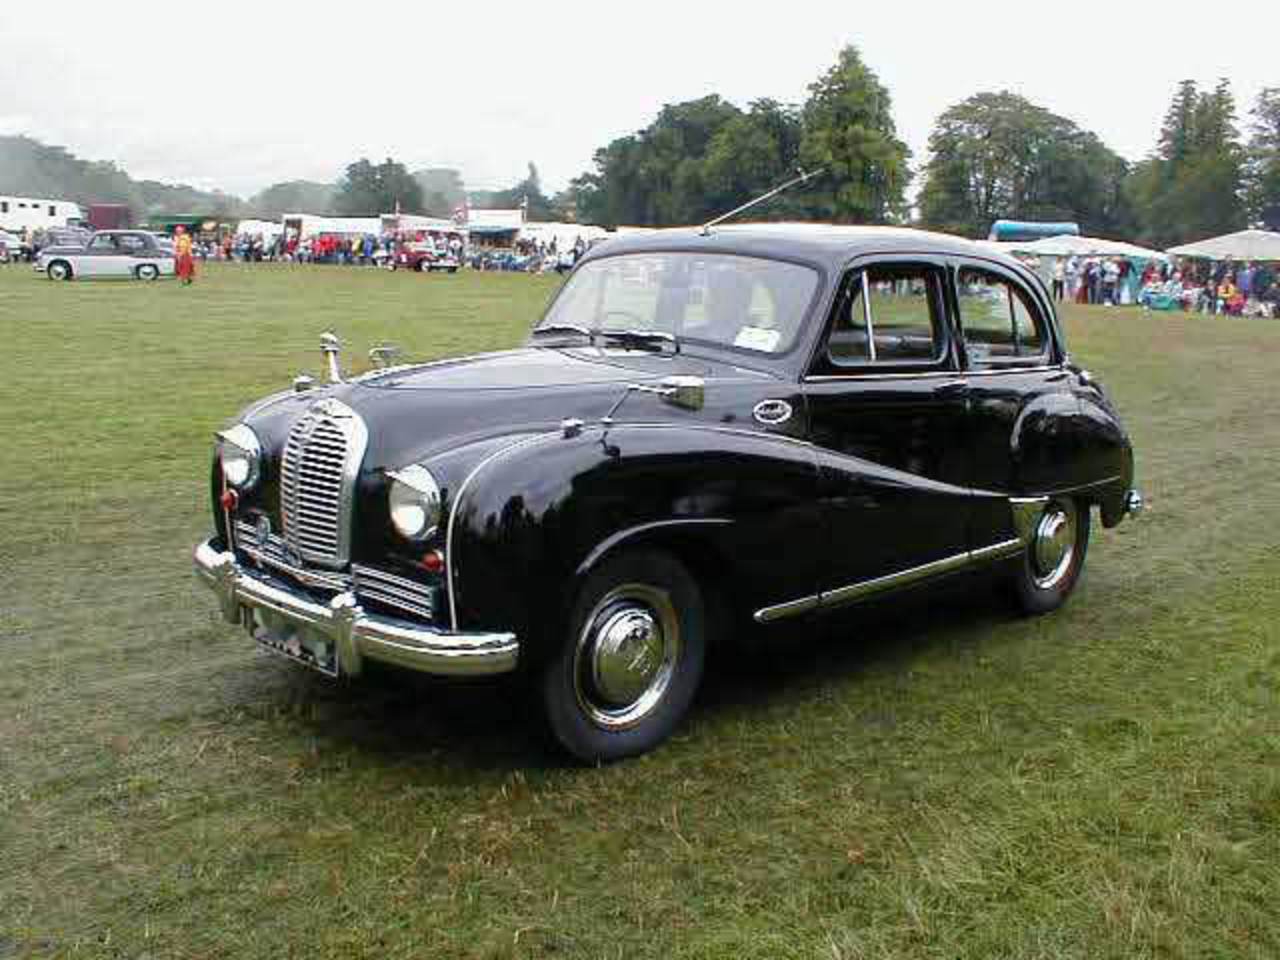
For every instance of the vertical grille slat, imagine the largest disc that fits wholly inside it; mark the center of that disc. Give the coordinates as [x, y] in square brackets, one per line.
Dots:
[317, 474]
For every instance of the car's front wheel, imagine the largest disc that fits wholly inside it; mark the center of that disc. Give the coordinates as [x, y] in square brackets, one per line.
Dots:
[1052, 564]
[59, 270]
[627, 672]
[148, 271]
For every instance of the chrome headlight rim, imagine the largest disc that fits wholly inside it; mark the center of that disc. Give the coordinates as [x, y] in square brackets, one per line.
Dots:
[414, 502]
[240, 456]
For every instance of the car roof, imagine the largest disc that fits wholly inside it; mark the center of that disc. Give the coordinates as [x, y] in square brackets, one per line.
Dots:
[828, 244]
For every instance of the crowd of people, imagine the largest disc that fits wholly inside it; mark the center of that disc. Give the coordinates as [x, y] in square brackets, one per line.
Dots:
[527, 256]
[1219, 287]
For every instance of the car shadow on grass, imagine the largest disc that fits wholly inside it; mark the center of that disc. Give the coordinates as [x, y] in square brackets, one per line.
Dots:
[489, 726]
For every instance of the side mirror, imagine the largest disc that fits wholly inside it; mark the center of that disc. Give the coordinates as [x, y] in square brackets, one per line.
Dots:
[688, 393]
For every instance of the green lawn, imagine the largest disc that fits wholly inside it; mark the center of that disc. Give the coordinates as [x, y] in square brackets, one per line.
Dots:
[945, 782]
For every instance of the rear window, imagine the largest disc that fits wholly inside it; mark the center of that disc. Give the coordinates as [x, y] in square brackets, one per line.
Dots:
[1001, 323]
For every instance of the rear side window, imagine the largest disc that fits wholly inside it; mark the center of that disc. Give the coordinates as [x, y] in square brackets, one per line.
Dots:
[888, 315]
[132, 242]
[1001, 323]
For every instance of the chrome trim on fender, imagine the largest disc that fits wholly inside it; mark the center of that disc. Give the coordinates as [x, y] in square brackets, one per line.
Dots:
[355, 634]
[865, 589]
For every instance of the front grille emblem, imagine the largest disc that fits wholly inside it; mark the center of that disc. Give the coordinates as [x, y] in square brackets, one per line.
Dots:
[262, 530]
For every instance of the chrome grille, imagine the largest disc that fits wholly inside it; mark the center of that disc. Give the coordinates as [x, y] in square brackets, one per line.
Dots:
[407, 596]
[367, 583]
[317, 475]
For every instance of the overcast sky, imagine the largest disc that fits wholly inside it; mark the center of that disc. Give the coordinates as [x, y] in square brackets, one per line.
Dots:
[238, 95]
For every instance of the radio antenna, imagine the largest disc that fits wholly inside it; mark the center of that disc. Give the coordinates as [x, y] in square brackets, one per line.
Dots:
[803, 178]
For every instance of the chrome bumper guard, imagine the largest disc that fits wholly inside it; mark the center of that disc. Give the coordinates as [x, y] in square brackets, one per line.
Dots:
[355, 634]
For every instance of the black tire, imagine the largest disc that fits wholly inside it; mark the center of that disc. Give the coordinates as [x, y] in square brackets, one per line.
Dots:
[148, 271]
[59, 270]
[641, 608]
[423, 267]
[1042, 580]
[453, 269]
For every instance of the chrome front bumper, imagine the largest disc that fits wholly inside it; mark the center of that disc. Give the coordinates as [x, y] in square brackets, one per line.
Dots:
[356, 635]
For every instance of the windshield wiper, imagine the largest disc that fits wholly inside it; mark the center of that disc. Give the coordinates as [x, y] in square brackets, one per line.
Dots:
[641, 338]
[565, 328]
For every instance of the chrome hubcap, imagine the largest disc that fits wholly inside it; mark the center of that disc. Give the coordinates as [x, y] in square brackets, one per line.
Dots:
[1053, 548]
[626, 656]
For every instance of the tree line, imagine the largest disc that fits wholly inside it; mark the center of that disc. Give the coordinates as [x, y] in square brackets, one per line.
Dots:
[991, 156]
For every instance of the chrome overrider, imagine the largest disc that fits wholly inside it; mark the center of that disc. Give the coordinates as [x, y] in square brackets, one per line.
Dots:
[356, 635]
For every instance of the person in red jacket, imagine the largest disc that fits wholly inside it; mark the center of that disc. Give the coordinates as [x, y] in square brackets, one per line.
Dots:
[186, 264]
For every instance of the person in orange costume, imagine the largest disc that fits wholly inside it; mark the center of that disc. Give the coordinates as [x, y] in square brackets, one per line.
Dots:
[186, 264]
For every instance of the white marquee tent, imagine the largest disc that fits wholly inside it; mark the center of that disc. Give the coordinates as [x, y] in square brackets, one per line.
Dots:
[1067, 246]
[1245, 245]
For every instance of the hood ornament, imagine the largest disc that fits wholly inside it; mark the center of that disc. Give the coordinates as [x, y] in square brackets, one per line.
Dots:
[331, 347]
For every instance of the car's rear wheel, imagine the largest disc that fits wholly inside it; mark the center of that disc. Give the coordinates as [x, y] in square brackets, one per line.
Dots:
[148, 271]
[59, 270]
[424, 267]
[627, 672]
[1052, 564]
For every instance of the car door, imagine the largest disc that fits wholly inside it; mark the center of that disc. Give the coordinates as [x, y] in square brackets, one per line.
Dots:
[133, 251]
[97, 256]
[1018, 389]
[887, 408]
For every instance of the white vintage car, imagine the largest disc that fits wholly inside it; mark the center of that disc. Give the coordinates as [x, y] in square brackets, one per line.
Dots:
[109, 253]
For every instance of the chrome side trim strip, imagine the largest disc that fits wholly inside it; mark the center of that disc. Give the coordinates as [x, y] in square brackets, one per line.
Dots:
[856, 592]
[794, 608]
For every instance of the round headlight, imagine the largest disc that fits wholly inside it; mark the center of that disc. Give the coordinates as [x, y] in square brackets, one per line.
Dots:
[414, 499]
[241, 456]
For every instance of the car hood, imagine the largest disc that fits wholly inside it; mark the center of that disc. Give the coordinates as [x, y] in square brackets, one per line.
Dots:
[416, 412]
[63, 248]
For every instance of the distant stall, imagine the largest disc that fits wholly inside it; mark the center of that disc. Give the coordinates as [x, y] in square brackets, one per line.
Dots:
[1260, 245]
[307, 225]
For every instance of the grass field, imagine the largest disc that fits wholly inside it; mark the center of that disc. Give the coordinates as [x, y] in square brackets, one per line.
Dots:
[945, 782]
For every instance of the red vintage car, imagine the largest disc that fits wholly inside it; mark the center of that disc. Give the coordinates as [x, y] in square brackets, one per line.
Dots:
[423, 256]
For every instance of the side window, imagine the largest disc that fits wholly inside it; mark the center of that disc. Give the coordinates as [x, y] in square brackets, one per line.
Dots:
[103, 242]
[1001, 324]
[132, 243]
[887, 315]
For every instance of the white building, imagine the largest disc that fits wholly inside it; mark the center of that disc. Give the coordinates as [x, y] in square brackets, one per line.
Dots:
[23, 213]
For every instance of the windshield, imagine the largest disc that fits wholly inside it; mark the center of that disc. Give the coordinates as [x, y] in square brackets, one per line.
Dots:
[743, 302]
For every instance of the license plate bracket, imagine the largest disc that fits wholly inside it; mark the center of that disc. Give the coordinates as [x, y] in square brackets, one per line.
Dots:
[300, 644]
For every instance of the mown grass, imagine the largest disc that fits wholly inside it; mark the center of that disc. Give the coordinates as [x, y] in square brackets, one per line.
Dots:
[934, 780]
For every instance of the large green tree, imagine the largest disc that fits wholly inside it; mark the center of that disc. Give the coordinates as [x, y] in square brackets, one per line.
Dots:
[1193, 186]
[367, 190]
[703, 157]
[849, 133]
[1263, 170]
[998, 156]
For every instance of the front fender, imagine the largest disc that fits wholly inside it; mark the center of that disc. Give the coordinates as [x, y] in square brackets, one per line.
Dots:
[536, 517]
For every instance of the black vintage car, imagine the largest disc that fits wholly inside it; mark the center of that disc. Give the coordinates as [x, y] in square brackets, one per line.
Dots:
[708, 432]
